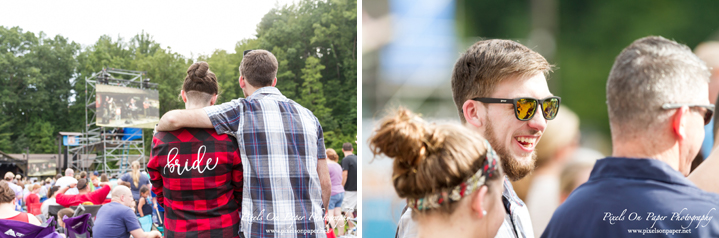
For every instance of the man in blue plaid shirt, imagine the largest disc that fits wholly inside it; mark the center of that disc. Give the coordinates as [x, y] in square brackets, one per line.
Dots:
[286, 182]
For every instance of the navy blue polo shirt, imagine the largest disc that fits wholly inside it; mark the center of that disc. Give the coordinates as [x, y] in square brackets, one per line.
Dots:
[636, 198]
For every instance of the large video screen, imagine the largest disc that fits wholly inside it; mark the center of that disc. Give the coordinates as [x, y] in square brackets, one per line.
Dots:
[42, 166]
[126, 107]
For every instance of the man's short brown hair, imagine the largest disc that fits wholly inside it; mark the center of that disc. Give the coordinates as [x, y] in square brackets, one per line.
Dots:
[259, 68]
[488, 62]
[347, 146]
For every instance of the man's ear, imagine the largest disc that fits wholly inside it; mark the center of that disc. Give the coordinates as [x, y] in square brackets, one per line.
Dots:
[274, 82]
[242, 82]
[213, 100]
[478, 202]
[679, 122]
[184, 97]
[472, 112]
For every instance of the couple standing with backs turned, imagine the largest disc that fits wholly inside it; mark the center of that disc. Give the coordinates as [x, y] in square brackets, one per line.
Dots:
[256, 170]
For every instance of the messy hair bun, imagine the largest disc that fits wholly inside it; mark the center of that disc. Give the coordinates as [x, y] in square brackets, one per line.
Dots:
[200, 78]
[6, 194]
[428, 158]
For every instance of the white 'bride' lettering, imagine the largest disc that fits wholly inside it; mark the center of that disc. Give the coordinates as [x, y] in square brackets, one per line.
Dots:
[173, 162]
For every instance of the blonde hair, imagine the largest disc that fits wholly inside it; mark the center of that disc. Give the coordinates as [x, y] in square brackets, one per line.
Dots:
[428, 158]
[135, 173]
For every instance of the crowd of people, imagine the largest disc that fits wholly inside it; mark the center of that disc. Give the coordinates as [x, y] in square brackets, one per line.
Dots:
[30, 200]
[251, 167]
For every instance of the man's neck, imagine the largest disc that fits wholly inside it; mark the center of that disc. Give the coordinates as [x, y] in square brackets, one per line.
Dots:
[190, 105]
[347, 153]
[655, 150]
[250, 90]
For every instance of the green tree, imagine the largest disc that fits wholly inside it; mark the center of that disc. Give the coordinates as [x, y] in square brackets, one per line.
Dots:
[35, 83]
[312, 94]
[40, 136]
[5, 136]
[44, 90]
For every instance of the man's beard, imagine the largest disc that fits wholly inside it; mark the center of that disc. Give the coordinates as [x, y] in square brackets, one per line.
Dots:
[510, 164]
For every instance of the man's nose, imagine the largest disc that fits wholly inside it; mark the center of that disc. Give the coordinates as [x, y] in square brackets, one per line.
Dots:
[538, 122]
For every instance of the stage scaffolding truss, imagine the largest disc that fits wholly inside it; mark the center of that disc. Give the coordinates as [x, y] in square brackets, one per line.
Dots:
[113, 154]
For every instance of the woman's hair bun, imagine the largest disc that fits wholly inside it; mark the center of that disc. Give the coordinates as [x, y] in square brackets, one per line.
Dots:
[200, 78]
[427, 158]
[201, 70]
[401, 137]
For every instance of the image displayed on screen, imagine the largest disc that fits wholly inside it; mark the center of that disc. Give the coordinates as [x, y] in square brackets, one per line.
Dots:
[42, 167]
[126, 107]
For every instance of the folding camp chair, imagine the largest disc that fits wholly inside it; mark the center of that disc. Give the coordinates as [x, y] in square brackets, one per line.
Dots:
[78, 226]
[15, 229]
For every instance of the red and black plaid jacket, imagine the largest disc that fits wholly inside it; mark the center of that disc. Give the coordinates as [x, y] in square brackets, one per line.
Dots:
[197, 176]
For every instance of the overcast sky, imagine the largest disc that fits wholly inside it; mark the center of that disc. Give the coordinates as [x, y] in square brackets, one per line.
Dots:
[188, 27]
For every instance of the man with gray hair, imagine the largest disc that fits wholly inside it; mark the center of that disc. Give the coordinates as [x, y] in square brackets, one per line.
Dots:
[68, 180]
[657, 101]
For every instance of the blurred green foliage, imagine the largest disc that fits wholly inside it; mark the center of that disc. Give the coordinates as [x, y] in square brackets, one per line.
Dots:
[42, 79]
[590, 34]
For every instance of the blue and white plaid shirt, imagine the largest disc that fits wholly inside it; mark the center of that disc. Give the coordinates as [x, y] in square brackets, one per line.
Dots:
[280, 143]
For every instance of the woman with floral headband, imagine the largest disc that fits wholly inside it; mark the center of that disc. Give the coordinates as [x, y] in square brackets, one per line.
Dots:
[450, 176]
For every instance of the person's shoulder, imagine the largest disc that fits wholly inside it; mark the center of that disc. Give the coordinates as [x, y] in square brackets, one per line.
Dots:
[234, 103]
[207, 135]
[164, 137]
[117, 207]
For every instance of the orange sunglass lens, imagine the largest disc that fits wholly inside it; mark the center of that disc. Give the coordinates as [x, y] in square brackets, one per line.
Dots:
[526, 108]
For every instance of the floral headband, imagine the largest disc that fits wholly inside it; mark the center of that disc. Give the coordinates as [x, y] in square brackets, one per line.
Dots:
[458, 192]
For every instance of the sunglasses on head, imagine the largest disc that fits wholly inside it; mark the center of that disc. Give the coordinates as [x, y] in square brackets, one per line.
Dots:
[246, 51]
[707, 115]
[526, 107]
